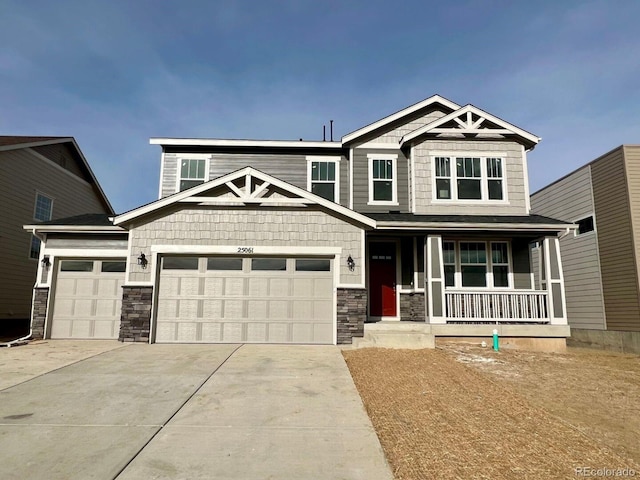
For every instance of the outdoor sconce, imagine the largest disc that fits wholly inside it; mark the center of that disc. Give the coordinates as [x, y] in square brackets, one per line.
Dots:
[46, 263]
[142, 260]
[351, 263]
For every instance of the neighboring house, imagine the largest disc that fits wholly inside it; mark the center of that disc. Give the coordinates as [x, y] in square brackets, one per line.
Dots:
[422, 216]
[601, 258]
[41, 178]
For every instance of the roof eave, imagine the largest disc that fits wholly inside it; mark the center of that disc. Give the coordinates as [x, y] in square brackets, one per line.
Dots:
[390, 225]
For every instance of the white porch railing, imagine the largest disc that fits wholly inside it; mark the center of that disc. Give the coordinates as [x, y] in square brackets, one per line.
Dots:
[506, 306]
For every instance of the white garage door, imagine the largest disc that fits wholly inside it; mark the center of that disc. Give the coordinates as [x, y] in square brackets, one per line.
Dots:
[88, 299]
[253, 300]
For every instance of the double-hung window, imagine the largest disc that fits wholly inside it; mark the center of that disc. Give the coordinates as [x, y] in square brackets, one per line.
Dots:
[468, 178]
[383, 187]
[192, 172]
[323, 173]
[41, 213]
[476, 264]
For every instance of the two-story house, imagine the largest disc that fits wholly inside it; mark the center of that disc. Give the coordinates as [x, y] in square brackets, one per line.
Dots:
[421, 218]
[40, 178]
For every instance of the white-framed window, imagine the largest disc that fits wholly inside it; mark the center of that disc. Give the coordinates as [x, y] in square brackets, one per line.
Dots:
[42, 211]
[192, 172]
[468, 178]
[476, 264]
[323, 177]
[383, 179]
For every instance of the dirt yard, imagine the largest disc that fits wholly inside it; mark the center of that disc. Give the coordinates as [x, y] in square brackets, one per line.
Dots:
[462, 412]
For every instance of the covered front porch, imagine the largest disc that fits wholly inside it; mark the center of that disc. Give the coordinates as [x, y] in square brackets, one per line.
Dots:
[488, 276]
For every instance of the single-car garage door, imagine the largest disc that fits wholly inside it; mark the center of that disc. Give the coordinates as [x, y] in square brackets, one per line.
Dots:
[254, 300]
[88, 299]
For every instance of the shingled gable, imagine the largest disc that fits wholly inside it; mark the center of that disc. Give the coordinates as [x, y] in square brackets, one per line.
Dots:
[470, 120]
[256, 194]
[435, 99]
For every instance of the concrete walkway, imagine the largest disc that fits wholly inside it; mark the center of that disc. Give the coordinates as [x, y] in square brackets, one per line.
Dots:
[193, 412]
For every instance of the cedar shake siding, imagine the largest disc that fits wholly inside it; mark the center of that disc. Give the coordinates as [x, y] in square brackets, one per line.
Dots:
[616, 241]
[251, 227]
[22, 175]
[513, 172]
[571, 199]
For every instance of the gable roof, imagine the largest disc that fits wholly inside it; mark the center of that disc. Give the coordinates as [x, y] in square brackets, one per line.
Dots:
[12, 142]
[468, 126]
[435, 99]
[193, 195]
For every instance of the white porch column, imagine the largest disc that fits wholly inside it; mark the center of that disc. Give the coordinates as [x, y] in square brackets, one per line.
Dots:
[552, 280]
[436, 308]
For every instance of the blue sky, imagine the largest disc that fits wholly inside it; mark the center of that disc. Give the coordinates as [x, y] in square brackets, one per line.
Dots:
[115, 73]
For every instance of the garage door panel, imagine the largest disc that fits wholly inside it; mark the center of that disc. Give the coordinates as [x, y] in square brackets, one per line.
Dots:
[232, 332]
[235, 305]
[187, 332]
[234, 287]
[257, 332]
[83, 308]
[109, 287]
[63, 307]
[103, 329]
[107, 307]
[212, 309]
[213, 287]
[85, 287]
[82, 329]
[61, 328]
[211, 332]
[66, 286]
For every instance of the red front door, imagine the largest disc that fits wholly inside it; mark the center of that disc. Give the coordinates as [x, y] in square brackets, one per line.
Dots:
[382, 279]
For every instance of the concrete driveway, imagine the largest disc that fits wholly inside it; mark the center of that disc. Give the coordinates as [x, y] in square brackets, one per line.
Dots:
[188, 411]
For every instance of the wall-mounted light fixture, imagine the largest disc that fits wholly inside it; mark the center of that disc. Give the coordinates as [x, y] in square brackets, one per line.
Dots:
[142, 260]
[351, 263]
[46, 263]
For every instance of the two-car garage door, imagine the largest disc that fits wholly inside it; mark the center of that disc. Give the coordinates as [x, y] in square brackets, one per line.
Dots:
[245, 299]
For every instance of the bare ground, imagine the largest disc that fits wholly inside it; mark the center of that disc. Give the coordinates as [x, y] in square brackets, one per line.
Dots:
[466, 412]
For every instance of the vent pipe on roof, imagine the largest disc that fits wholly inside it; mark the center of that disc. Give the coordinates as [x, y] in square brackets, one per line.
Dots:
[331, 129]
[324, 133]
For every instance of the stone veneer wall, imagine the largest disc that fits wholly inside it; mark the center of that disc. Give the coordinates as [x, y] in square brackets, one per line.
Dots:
[352, 313]
[39, 314]
[135, 321]
[412, 307]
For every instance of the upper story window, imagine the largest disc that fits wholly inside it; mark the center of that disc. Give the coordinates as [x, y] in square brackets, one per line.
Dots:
[468, 178]
[383, 182]
[476, 264]
[585, 225]
[323, 177]
[42, 213]
[192, 172]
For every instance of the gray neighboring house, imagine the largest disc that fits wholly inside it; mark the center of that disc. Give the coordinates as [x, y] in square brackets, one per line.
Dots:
[41, 178]
[418, 224]
[601, 259]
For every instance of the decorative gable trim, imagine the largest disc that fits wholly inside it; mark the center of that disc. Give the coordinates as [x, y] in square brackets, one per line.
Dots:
[471, 121]
[402, 113]
[247, 186]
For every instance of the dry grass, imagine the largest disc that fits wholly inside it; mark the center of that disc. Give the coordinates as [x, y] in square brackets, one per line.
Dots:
[438, 417]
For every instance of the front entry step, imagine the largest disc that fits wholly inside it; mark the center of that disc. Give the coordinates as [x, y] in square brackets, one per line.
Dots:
[408, 335]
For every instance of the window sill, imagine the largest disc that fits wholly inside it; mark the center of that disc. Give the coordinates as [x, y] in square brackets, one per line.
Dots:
[390, 204]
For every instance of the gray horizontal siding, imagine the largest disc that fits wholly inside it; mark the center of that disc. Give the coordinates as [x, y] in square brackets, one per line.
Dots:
[571, 199]
[22, 174]
[361, 182]
[615, 242]
[289, 168]
[63, 155]
[514, 177]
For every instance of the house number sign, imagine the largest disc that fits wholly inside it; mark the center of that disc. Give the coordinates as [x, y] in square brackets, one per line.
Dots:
[245, 249]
